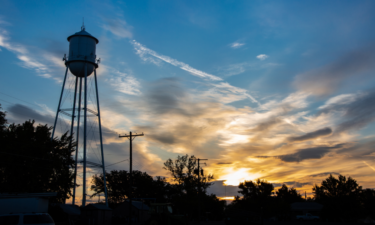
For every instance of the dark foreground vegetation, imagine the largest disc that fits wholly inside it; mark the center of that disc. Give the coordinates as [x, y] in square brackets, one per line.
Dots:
[31, 162]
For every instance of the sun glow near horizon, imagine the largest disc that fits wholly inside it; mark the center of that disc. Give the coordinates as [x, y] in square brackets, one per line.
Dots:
[234, 176]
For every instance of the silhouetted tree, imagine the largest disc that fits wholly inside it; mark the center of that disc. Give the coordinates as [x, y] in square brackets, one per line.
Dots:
[144, 186]
[31, 162]
[3, 121]
[255, 189]
[288, 195]
[188, 199]
[182, 171]
[340, 197]
[256, 198]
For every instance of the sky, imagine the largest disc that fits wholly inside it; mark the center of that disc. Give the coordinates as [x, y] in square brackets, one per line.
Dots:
[277, 90]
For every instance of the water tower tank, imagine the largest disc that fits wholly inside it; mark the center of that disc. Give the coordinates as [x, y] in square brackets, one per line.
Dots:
[82, 51]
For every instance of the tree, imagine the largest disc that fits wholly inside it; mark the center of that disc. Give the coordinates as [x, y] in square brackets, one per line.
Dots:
[333, 188]
[144, 186]
[341, 197]
[3, 121]
[182, 171]
[255, 189]
[191, 191]
[31, 162]
[288, 195]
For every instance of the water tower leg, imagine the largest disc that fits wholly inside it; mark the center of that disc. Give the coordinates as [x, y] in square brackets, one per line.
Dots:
[101, 139]
[84, 140]
[77, 139]
[58, 107]
[74, 110]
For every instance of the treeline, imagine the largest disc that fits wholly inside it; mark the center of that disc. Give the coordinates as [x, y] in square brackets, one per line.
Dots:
[342, 199]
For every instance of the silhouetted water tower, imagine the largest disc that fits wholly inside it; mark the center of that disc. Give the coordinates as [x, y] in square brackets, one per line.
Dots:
[82, 63]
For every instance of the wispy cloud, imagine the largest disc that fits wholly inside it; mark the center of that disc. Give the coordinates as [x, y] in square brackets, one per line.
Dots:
[118, 27]
[369, 165]
[28, 61]
[124, 83]
[237, 45]
[262, 56]
[142, 51]
[223, 90]
[232, 91]
[342, 99]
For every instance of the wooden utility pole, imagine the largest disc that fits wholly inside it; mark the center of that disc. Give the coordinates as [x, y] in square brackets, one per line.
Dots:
[131, 138]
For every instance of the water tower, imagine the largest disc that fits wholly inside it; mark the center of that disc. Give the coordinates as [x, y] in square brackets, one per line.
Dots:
[81, 63]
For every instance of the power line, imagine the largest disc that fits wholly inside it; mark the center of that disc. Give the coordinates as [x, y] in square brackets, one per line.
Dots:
[117, 162]
[19, 99]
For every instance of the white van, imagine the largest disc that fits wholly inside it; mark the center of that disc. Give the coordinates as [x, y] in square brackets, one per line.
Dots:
[26, 218]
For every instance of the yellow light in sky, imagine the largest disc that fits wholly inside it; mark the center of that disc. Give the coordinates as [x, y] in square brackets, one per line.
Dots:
[226, 198]
[236, 139]
[235, 176]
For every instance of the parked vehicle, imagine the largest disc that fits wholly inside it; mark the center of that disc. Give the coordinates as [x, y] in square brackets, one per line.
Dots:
[26, 218]
[28, 208]
[307, 216]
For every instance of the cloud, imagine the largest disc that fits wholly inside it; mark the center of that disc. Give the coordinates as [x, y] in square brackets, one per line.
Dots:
[118, 27]
[44, 66]
[327, 79]
[266, 125]
[325, 174]
[293, 184]
[166, 96]
[262, 56]
[124, 83]
[142, 51]
[172, 116]
[229, 93]
[221, 190]
[236, 45]
[234, 69]
[342, 99]
[312, 135]
[355, 111]
[222, 91]
[304, 154]
[23, 113]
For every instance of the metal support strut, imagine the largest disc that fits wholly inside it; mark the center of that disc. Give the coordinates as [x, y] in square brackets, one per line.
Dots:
[58, 107]
[84, 140]
[101, 139]
[77, 141]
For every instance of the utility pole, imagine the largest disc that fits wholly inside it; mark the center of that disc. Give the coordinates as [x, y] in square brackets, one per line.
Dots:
[199, 191]
[131, 138]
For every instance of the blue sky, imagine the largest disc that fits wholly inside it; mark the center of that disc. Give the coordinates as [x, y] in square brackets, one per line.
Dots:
[280, 90]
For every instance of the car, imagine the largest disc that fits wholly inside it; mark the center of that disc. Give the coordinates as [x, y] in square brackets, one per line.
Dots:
[26, 218]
